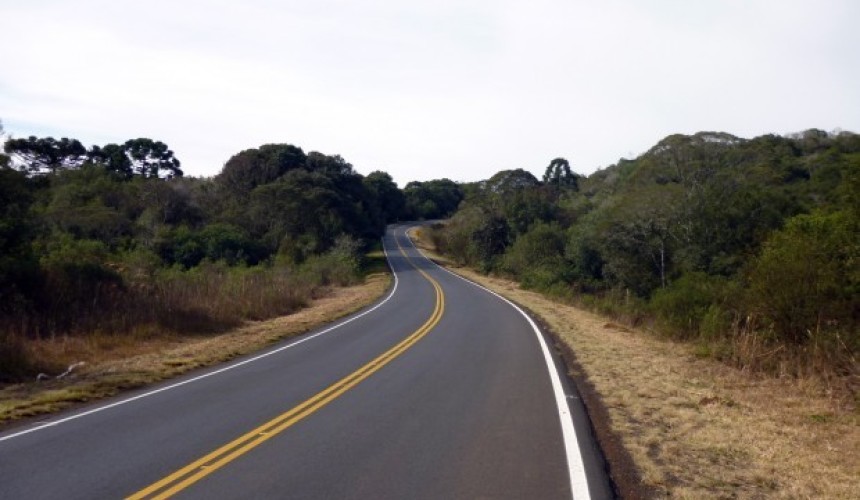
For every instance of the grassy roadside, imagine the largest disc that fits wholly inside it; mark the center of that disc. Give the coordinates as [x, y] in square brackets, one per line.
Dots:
[695, 428]
[114, 364]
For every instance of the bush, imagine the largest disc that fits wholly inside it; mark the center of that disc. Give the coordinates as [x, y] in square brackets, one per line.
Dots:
[806, 279]
[339, 266]
[682, 306]
[582, 251]
[214, 242]
[716, 323]
[617, 303]
[537, 258]
[468, 238]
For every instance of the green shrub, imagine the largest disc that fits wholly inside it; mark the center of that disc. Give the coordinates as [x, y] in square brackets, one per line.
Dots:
[537, 258]
[682, 306]
[546, 275]
[617, 303]
[805, 281]
[716, 323]
[214, 242]
[339, 266]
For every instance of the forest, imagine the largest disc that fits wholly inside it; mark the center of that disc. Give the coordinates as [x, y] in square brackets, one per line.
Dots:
[115, 240]
[748, 248]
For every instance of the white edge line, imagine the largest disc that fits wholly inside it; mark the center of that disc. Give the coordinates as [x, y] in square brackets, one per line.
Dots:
[575, 466]
[215, 372]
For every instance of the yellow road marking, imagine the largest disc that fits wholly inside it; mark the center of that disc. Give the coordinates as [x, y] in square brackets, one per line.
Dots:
[208, 464]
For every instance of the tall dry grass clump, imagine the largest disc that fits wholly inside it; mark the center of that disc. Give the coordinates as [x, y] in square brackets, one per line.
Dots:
[133, 299]
[213, 295]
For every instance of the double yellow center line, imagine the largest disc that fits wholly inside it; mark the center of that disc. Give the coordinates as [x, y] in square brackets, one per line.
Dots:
[202, 467]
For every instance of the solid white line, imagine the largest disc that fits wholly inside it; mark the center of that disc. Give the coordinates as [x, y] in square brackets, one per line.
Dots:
[45, 425]
[575, 466]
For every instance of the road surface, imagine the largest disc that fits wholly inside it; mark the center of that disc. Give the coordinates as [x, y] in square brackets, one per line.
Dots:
[440, 390]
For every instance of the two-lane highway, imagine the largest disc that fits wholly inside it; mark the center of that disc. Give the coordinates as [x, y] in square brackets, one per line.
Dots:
[440, 390]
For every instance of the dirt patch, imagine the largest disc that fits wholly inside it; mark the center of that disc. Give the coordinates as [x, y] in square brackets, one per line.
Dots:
[114, 366]
[693, 427]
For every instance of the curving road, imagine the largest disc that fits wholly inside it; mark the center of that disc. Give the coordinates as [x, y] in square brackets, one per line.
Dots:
[440, 390]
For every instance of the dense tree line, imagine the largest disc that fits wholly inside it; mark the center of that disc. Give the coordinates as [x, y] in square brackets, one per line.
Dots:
[114, 239]
[727, 241]
[431, 199]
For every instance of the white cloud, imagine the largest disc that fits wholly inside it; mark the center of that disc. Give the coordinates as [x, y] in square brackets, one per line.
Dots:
[426, 89]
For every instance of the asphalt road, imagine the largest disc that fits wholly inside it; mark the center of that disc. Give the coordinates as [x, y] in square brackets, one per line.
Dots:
[441, 390]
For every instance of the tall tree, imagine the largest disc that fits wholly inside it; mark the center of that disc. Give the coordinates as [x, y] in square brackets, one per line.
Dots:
[152, 158]
[389, 198]
[38, 154]
[432, 199]
[300, 214]
[17, 262]
[253, 167]
[558, 174]
[5, 161]
[113, 158]
[507, 181]
[333, 165]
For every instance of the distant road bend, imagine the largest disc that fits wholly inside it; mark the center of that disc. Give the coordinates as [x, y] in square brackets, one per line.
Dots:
[440, 390]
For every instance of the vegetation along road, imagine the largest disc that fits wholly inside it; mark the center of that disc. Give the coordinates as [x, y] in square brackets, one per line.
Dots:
[440, 390]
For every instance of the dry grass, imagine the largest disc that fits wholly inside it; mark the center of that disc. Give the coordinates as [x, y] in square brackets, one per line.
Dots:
[114, 363]
[696, 428]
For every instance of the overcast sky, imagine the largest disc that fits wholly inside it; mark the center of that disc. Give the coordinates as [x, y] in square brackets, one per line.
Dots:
[426, 89]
